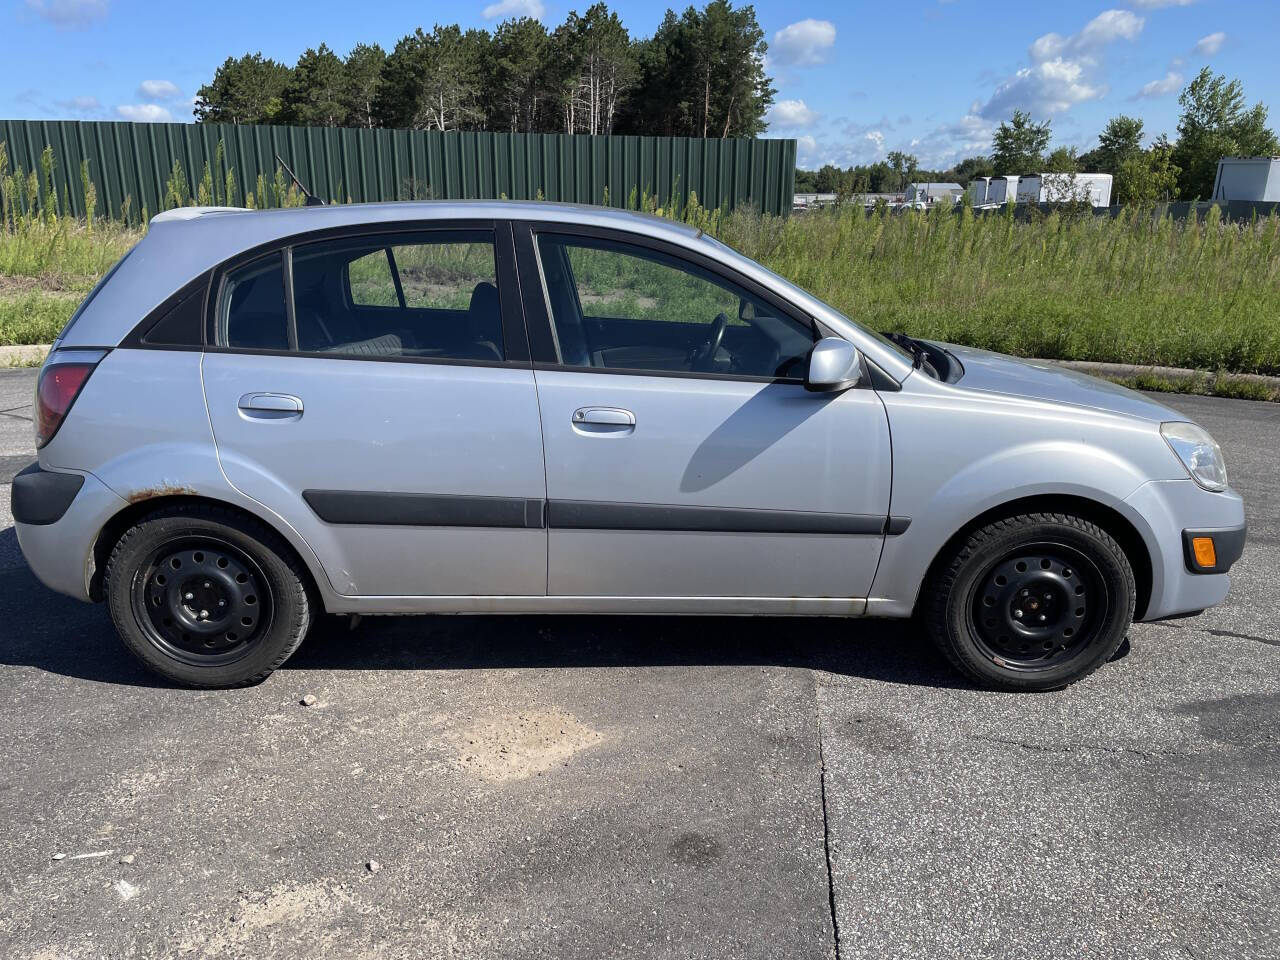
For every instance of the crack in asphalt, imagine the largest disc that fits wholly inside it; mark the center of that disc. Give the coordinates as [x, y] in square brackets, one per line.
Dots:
[1080, 748]
[826, 830]
[1244, 636]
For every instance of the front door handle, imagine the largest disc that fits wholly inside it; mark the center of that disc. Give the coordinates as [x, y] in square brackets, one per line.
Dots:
[605, 416]
[603, 420]
[270, 406]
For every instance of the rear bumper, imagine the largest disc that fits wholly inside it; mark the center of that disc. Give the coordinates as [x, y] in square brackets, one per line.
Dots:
[1172, 509]
[57, 525]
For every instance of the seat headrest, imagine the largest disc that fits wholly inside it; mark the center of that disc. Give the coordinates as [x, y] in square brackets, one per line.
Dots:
[484, 299]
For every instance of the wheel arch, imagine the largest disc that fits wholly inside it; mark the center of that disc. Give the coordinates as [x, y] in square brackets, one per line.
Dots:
[136, 511]
[1108, 518]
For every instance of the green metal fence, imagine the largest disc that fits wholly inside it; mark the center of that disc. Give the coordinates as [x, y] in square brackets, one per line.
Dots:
[131, 163]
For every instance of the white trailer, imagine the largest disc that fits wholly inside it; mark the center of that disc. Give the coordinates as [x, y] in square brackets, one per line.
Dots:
[977, 190]
[1002, 189]
[1247, 178]
[1095, 188]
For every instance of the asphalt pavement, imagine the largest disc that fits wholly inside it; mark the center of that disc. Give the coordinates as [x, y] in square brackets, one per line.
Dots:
[644, 787]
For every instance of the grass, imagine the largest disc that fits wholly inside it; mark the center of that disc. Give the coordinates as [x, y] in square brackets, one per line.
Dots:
[47, 267]
[1128, 290]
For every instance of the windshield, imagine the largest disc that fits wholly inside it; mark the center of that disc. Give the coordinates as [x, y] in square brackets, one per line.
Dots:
[878, 337]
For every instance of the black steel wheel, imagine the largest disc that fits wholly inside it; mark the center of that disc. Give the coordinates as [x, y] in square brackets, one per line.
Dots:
[202, 601]
[207, 596]
[1032, 602]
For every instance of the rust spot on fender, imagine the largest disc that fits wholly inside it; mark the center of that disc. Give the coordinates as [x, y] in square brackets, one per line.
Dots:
[164, 490]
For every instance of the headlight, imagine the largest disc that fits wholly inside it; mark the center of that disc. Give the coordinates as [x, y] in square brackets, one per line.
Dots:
[1199, 453]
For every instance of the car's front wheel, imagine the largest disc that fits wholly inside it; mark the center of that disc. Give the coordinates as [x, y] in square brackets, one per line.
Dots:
[1031, 602]
[207, 597]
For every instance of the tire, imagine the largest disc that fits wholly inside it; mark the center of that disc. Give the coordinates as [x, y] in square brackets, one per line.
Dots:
[208, 597]
[1032, 602]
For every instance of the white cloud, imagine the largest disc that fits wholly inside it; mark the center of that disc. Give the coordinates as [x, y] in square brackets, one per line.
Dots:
[514, 8]
[952, 142]
[803, 44]
[877, 139]
[158, 90]
[1154, 4]
[68, 14]
[80, 106]
[1208, 46]
[1171, 82]
[806, 152]
[790, 114]
[144, 113]
[1064, 71]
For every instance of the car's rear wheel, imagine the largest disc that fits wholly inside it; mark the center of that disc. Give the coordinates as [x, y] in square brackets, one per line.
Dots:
[207, 597]
[1031, 602]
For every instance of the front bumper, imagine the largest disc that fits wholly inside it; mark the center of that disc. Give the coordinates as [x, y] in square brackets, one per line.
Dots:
[57, 531]
[1172, 509]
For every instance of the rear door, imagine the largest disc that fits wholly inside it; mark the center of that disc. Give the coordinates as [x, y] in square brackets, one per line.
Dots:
[374, 389]
[684, 457]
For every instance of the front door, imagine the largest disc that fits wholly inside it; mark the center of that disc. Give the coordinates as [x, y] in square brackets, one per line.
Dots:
[374, 391]
[684, 457]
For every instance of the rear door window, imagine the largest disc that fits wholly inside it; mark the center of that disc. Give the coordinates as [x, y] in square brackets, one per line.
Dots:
[430, 295]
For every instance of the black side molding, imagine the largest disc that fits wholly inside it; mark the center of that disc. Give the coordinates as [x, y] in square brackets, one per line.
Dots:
[423, 509]
[1228, 545]
[894, 526]
[594, 515]
[41, 497]
[447, 510]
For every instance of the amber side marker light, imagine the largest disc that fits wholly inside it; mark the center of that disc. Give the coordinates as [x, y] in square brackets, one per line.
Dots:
[1202, 549]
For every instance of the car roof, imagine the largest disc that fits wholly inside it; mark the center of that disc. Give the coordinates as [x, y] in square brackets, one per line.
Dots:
[283, 222]
[186, 242]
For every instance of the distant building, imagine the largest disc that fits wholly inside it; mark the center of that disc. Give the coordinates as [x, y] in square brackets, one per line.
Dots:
[1247, 178]
[1000, 190]
[933, 192]
[1095, 188]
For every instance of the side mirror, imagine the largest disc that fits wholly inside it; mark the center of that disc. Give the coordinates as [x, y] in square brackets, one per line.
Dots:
[834, 365]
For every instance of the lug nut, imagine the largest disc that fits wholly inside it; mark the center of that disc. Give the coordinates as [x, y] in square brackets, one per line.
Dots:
[206, 583]
[1042, 617]
[204, 615]
[188, 596]
[222, 603]
[1017, 614]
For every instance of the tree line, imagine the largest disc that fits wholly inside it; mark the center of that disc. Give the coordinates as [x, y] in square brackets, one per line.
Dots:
[1215, 122]
[701, 74]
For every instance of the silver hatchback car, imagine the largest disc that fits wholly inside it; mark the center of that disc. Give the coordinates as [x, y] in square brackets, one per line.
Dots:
[493, 407]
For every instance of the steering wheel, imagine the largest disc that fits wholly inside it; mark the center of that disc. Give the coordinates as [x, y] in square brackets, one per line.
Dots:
[704, 358]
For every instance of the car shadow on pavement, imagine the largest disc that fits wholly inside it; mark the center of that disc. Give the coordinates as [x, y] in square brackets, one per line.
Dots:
[50, 632]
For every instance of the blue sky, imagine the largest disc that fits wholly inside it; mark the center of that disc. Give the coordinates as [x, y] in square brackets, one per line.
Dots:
[855, 80]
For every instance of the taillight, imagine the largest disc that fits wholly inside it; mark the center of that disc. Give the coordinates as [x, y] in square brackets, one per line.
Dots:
[61, 381]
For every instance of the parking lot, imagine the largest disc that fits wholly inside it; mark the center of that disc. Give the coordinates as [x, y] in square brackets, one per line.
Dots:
[656, 787]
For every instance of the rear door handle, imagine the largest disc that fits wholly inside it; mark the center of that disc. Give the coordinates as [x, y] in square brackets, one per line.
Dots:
[270, 406]
[604, 417]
